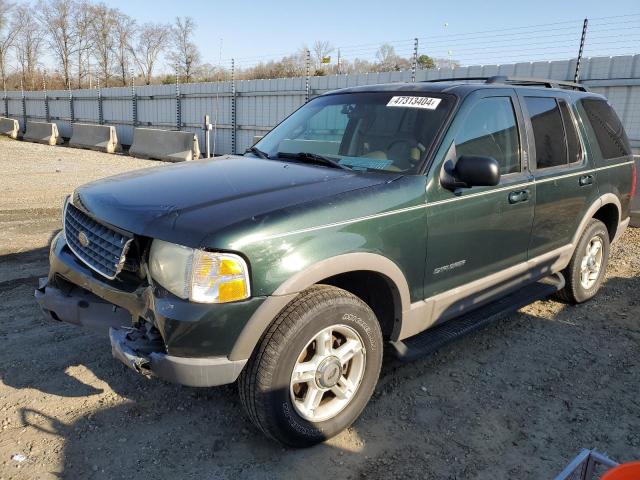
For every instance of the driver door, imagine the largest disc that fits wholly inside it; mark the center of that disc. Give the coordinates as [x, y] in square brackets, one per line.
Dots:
[476, 232]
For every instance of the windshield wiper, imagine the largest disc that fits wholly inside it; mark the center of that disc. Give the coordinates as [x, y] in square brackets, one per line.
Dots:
[313, 157]
[257, 152]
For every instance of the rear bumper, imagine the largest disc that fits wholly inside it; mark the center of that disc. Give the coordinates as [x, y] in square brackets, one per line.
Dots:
[128, 347]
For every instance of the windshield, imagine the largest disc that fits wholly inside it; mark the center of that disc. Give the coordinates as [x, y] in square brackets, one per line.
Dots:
[361, 131]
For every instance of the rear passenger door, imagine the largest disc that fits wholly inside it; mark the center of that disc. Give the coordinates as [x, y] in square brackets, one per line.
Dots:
[564, 183]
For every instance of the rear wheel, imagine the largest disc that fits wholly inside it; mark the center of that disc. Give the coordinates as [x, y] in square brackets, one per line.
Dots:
[315, 369]
[586, 270]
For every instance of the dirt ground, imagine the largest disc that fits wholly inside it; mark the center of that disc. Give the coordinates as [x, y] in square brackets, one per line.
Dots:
[517, 400]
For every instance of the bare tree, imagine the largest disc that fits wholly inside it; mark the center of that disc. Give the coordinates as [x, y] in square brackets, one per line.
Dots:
[185, 54]
[150, 43]
[125, 28]
[321, 49]
[83, 27]
[28, 45]
[57, 20]
[8, 31]
[104, 36]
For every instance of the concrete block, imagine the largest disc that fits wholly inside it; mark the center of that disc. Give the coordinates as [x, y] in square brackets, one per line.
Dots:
[169, 145]
[42, 132]
[9, 127]
[102, 138]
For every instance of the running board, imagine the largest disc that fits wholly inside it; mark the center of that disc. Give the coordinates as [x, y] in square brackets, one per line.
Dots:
[432, 339]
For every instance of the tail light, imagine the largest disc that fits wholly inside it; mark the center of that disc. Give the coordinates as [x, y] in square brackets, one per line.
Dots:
[634, 180]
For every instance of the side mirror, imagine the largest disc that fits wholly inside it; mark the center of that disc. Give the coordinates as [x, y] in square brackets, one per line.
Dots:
[471, 171]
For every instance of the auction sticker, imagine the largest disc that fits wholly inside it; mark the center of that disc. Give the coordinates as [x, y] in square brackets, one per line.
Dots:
[428, 103]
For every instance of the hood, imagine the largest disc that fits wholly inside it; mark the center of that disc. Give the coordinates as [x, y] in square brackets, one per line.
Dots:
[188, 202]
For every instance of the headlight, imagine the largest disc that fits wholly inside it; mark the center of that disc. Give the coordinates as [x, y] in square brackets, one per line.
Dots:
[203, 277]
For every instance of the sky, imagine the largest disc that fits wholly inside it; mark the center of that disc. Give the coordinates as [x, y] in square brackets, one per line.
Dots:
[270, 29]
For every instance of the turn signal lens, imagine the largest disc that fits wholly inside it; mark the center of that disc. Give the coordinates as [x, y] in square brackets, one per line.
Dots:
[219, 278]
[203, 277]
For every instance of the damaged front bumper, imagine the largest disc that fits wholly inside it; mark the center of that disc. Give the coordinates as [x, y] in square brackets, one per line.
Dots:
[137, 351]
[73, 294]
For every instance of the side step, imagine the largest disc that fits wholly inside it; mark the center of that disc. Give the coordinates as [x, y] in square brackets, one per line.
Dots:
[430, 340]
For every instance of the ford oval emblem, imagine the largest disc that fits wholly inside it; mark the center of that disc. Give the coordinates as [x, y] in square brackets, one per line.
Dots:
[83, 239]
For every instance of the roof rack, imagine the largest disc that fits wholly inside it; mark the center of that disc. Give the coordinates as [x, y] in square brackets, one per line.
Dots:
[523, 81]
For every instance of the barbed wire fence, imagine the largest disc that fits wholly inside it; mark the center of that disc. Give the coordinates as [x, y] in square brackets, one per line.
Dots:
[604, 36]
[243, 109]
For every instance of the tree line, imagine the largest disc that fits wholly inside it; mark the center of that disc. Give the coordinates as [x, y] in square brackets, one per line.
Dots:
[68, 44]
[84, 43]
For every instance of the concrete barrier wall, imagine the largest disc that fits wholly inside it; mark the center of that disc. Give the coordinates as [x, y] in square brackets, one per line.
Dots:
[9, 127]
[42, 132]
[102, 138]
[167, 145]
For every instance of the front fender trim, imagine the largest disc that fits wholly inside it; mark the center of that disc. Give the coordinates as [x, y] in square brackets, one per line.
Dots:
[349, 262]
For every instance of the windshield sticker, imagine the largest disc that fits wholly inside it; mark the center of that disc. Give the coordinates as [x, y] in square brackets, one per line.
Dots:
[427, 103]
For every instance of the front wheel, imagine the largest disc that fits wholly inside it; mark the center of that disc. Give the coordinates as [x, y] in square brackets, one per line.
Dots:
[315, 369]
[586, 270]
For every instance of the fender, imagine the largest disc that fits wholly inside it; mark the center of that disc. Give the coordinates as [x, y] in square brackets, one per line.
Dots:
[285, 293]
[606, 199]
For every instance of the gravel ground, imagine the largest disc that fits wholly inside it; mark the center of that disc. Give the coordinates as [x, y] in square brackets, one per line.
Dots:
[517, 400]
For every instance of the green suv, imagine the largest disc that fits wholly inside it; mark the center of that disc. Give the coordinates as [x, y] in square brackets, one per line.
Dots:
[390, 216]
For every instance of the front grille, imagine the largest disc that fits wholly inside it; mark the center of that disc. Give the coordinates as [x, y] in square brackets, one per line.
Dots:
[101, 248]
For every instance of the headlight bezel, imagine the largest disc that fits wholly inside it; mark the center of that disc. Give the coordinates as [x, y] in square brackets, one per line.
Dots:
[174, 267]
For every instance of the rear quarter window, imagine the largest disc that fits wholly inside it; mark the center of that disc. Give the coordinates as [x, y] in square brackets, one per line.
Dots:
[612, 141]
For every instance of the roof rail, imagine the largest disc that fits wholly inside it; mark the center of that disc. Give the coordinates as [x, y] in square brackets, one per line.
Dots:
[523, 81]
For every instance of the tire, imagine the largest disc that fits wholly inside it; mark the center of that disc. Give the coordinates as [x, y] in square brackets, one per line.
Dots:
[271, 397]
[575, 290]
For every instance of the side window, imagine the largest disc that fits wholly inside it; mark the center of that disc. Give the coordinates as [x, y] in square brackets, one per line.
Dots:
[548, 132]
[490, 130]
[573, 141]
[606, 126]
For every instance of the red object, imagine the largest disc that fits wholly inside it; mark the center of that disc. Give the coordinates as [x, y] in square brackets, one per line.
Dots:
[626, 471]
[634, 180]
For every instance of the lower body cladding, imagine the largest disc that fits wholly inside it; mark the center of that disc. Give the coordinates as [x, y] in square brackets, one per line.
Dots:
[189, 348]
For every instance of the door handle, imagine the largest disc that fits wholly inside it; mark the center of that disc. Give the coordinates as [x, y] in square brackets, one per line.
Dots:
[586, 180]
[519, 196]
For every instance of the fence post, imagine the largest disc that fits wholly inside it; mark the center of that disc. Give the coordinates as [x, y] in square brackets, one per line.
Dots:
[414, 63]
[134, 101]
[6, 104]
[47, 116]
[308, 71]
[178, 102]
[24, 108]
[100, 113]
[576, 77]
[72, 113]
[234, 124]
